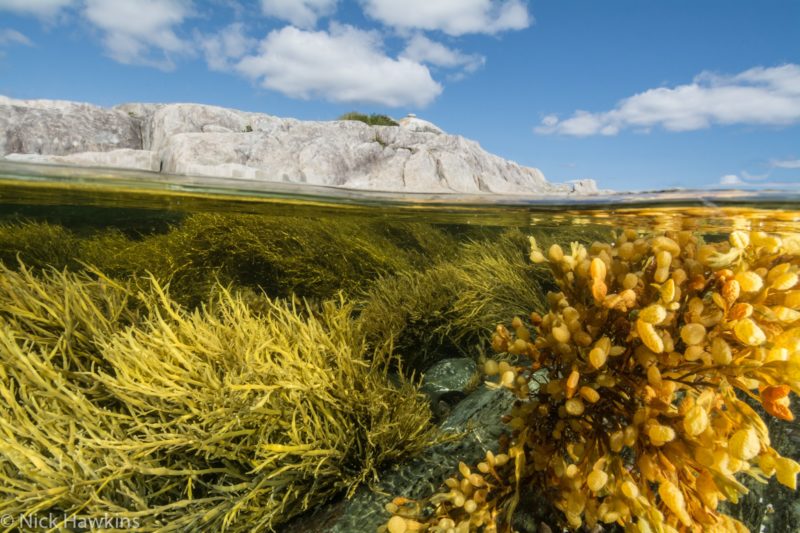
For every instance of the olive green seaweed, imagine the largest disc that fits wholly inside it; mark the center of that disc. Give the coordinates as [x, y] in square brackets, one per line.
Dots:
[496, 278]
[40, 244]
[414, 308]
[449, 309]
[282, 255]
[435, 297]
[118, 402]
[64, 314]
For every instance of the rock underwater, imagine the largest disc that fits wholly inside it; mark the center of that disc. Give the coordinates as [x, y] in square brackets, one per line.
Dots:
[195, 139]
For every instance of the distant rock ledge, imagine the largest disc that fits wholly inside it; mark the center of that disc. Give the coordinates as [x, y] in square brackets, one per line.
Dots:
[194, 139]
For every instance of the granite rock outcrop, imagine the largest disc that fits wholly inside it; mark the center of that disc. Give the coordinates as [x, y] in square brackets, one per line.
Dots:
[194, 139]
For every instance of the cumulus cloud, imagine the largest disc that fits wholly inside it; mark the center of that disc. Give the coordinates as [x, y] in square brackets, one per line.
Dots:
[9, 36]
[301, 13]
[730, 179]
[224, 48]
[786, 163]
[759, 96]
[344, 64]
[39, 8]
[454, 17]
[141, 31]
[423, 50]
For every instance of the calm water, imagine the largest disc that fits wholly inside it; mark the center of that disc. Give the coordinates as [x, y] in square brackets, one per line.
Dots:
[435, 274]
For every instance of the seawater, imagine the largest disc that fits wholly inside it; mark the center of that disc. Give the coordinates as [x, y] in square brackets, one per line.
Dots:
[420, 267]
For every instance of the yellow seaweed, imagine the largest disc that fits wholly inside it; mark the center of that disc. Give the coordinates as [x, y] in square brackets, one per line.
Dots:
[665, 369]
[119, 402]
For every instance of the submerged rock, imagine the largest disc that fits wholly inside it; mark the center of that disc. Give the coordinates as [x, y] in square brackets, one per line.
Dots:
[477, 417]
[415, 156]
[448, 382]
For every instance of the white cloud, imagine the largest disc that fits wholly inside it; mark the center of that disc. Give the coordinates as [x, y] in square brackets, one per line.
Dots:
[550, 120]
[225, 47]
[754, 177]
[454, 17]
[759, 96]
[140, 31]
[301, 13]
[747, 181]
[344, 64]
[730, 179]
[39, 8]
[423, 50]
[9, 36]
[786, 163]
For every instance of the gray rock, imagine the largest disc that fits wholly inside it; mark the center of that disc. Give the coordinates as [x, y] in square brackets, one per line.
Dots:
[194, 139]
[216, 128]
[448, 382]
[584, 186]
[413, 123]
[54, 128]
[173, 119]
[141, 111]
[123, 158]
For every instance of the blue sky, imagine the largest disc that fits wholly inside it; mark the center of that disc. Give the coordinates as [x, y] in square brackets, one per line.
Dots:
[634, 94]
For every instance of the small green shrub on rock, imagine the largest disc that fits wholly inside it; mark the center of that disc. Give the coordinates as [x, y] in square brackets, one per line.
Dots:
[373, 120]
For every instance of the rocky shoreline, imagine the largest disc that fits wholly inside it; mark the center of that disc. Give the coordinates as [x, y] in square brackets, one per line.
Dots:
[202, 140]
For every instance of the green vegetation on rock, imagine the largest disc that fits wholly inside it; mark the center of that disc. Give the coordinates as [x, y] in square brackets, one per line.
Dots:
[373, 120]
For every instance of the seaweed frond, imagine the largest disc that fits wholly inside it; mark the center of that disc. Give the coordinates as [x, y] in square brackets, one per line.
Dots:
[441, 311]
[280, 255]
[636, 401]
[234, 416]
[38, 244]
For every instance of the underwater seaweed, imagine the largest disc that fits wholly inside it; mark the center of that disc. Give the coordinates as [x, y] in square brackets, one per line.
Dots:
[649, 349]
[119, 402]
[770, 506]
[496, 279]
[415, 309]
[444, 310]
[283, 256]
[65, 314]
[448, 309]
[38, 244]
